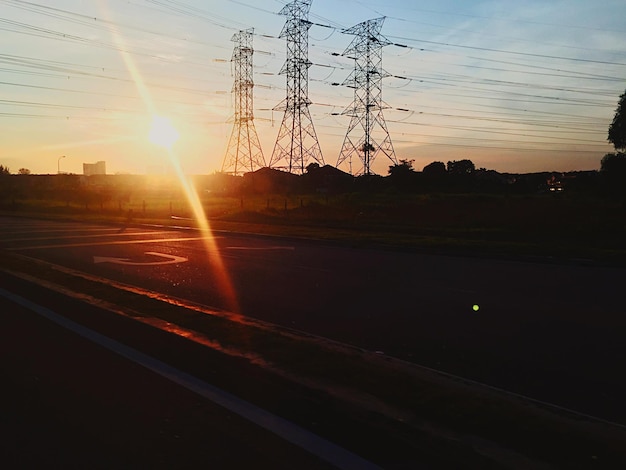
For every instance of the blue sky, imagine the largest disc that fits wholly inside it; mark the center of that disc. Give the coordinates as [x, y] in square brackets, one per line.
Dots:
[514, 86]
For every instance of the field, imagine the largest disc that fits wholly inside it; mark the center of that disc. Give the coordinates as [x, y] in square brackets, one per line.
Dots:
[555, 225]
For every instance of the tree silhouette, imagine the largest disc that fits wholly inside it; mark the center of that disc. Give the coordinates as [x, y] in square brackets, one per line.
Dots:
[613, 163]
[312, 167]
[435, 169]
[617, 129]
[4, 170]
[402, 168]
[461, 167]
[613, 171]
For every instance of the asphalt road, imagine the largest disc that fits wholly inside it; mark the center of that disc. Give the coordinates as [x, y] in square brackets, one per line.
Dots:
[70, 403]
[550, 331]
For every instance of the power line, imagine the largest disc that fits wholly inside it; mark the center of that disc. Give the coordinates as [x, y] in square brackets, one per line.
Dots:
[504, 88]
[518, 53]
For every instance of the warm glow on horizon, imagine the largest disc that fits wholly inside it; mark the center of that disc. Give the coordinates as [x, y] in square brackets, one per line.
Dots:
[463, 80]
[163, 132]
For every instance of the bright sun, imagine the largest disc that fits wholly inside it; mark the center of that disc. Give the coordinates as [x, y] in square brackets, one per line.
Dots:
[162, 132]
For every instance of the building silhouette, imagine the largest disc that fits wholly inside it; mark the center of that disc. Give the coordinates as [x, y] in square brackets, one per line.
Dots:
[98, 168]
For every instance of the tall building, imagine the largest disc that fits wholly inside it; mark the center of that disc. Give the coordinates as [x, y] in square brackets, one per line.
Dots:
[98, 168]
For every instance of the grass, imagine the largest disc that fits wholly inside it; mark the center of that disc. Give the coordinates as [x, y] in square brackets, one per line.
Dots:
[550, 226]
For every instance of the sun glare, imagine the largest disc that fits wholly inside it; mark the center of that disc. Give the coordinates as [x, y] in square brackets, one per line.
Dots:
[162, 132]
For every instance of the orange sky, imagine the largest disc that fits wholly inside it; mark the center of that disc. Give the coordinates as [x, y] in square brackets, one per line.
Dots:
[512, 87]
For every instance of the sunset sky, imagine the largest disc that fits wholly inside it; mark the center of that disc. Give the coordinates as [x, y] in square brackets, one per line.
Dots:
[513, 86]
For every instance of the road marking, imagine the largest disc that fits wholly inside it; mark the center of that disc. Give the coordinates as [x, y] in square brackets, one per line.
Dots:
[287, 430]
[260, 248]
[37, 228]
[117, 242]
[171, 259]
[115, 233]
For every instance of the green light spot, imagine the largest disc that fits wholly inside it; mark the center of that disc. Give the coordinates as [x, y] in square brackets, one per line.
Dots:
[475, 307]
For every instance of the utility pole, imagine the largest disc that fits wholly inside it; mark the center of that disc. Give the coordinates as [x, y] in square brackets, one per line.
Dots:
[297, 142]
[367, 134]
[244, 151]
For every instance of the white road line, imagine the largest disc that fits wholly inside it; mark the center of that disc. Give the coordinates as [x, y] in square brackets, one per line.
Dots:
[115, 233]
[56, 228]
[169, 259]
[119, 242]
[287, 430]
[261, 248]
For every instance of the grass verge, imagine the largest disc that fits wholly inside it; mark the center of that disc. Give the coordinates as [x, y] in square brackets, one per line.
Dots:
[555, 228]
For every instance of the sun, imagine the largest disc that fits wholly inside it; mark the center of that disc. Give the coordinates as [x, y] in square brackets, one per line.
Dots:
[162, 132]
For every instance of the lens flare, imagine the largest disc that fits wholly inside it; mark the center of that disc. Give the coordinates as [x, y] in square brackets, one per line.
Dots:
[214, 256]
[168, 136]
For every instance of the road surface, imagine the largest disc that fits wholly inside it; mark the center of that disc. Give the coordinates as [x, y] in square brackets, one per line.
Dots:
[550, 331]
[70, 403]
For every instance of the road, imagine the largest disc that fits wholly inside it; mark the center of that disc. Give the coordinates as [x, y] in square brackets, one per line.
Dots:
[70, 403]
[550, 331]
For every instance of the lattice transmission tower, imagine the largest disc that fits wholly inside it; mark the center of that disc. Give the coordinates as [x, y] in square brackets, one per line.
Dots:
[367, 136]
[244, 151]
[297, 142]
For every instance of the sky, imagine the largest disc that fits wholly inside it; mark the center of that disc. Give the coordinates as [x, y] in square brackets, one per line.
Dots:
[513, 86]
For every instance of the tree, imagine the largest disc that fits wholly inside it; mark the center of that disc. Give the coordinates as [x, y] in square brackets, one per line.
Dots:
[613, 163]
[311, 167]
[4, 170]
[435, 169]
[613, 171]
[23, 171]
[402, 176]
[403, 168]
[617, 129]
[461, 167]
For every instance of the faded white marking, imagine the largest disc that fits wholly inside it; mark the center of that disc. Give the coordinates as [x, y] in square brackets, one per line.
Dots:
[171, 259]
[260, 248]
[111, 233]
[118, 242]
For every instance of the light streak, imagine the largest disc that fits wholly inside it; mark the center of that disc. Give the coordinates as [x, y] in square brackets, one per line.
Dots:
[213, 255]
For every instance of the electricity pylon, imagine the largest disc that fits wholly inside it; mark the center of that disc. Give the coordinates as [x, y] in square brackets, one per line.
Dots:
[297, 142]
[244, 151]
[367, 135]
